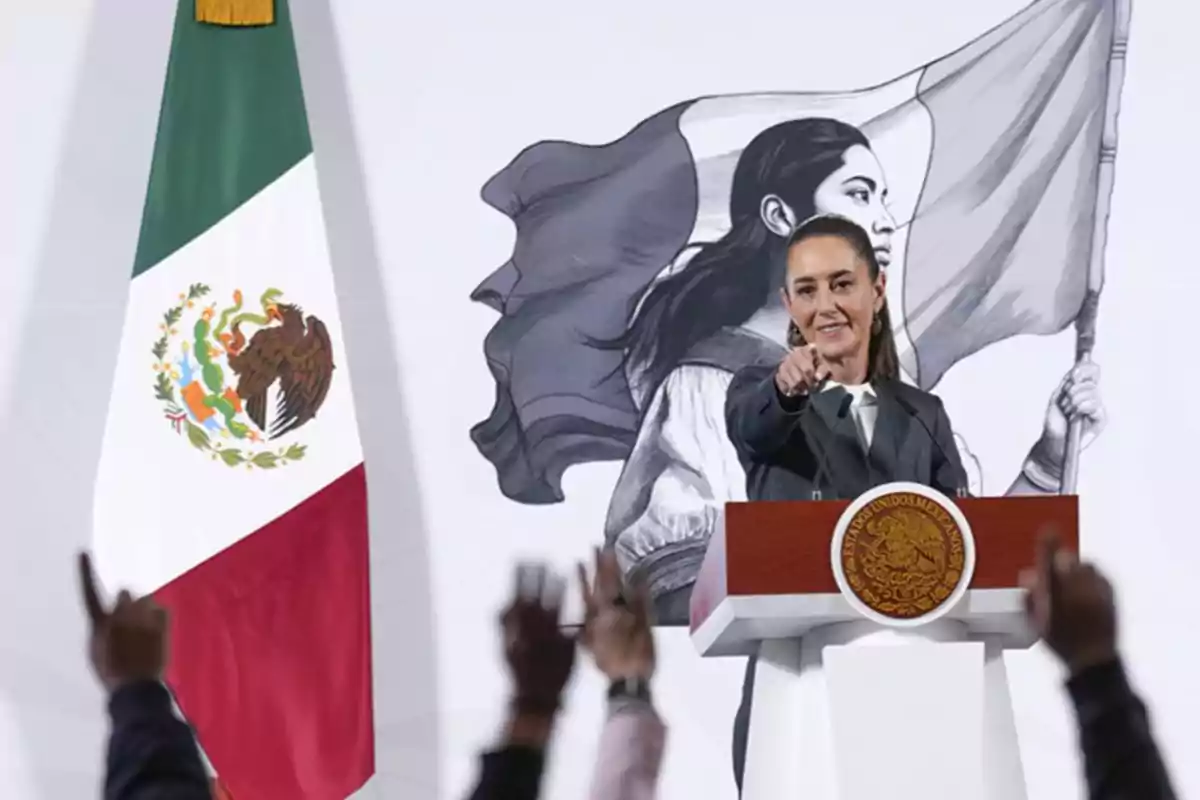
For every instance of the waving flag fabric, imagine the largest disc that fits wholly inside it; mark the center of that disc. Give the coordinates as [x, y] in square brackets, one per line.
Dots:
[992, 156]
[231, 482]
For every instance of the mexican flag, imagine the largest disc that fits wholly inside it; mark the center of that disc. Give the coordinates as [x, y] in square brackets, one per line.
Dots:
[231, 483]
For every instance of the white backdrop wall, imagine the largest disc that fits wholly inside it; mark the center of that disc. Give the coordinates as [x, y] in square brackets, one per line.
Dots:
[80, 84]
[445, 97]
[79, 91]
[433, 102]
[41, 47]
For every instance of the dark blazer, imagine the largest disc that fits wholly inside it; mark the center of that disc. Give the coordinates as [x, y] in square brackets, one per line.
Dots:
[152, 754]
[1121, 760]
[789, 446]
[510, 773]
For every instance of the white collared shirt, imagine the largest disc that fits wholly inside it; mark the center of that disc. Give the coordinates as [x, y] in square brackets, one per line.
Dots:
[864, 405]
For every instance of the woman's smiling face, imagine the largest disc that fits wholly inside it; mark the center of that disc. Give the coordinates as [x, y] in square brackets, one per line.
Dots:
[832, 298]
[858, 191]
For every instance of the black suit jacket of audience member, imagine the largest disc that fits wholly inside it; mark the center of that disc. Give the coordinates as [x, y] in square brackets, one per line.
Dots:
[152, 754]
[791, 446]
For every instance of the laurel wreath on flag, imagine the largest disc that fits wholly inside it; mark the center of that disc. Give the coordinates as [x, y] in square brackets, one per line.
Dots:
[174, 412]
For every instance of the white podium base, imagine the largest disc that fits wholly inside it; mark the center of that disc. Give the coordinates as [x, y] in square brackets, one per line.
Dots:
[856, 711]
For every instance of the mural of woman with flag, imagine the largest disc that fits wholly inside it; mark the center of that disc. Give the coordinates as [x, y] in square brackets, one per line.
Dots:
[646, 271]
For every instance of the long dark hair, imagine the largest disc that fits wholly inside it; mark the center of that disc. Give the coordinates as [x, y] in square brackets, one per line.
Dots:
[728, 280]
[883, 361]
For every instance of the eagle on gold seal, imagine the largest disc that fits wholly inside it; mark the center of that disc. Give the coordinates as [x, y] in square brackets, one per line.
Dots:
[903, 555]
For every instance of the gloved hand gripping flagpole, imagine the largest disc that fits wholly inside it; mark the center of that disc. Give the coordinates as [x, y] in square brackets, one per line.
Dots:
[1085, 323]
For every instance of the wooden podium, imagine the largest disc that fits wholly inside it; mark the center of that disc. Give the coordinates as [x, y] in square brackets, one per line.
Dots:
[851, 703]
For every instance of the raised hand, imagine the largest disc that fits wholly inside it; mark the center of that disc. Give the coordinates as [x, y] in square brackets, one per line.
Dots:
[127, 643]
[800, 371]
[1071, 606]
[619, 637]
[540, 656]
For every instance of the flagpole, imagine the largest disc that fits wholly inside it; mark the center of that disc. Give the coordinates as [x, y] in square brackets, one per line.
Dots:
[1085, 323]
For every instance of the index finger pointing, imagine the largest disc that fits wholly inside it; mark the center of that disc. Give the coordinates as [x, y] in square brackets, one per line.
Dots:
[642, 602]
[91, 596]
[608, 578]
[585, 587]
[1048, 549]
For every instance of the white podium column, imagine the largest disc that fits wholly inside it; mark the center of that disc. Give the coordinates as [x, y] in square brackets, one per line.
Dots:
[858, 711]
[1003, 772]
[789, 749]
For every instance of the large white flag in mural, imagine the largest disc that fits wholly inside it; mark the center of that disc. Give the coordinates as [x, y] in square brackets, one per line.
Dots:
[643, 269]
[979, 187]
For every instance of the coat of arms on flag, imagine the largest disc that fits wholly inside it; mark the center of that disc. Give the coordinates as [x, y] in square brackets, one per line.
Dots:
[217, 370]
[643, 273]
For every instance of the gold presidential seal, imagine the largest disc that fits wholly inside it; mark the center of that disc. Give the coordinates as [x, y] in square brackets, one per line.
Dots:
[904, 554]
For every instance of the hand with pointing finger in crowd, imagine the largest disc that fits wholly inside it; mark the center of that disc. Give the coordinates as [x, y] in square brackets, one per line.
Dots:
[618, 635]
[128, 642]
[540, 655]
[152, 754]
[800, 372]
[1071, 606]
[540, 660]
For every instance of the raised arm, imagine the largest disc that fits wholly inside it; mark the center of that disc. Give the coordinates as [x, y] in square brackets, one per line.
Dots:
[540, 659]
[1120, 757]
[151, 753]
[763, 405]
[1071, 606]
[631, 748]
[619, 638]
[1076, 397]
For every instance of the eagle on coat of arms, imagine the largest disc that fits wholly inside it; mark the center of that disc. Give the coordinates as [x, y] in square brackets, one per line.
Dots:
[218, 383]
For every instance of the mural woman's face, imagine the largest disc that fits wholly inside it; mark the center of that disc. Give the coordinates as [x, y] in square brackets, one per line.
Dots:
[858, 192]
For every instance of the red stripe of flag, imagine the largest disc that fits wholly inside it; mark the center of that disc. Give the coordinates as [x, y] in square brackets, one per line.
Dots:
[271, 651]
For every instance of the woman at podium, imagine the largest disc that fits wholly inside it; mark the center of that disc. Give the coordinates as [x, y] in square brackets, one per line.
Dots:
[833, 419]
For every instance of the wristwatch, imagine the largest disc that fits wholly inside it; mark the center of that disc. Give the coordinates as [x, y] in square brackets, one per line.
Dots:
[629, 689]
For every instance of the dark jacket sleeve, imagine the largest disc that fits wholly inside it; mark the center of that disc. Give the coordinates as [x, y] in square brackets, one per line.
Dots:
[759, 419]
[1120, 758]
[510, 773]
[948, 473]
[151, 753]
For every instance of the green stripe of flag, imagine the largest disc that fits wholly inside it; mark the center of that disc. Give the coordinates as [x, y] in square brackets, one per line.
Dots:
[232, 122]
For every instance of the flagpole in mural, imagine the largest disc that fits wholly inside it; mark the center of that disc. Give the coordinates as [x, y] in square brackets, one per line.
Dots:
[1085, 325]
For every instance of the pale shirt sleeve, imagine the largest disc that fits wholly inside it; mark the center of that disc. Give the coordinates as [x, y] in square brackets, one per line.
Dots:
[630, 755]
[683, 469]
